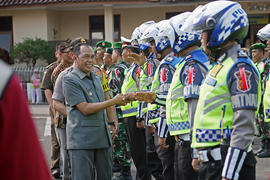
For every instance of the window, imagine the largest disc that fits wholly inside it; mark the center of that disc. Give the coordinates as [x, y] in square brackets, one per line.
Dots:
[97, 29]
[6, 33]
[171, 14]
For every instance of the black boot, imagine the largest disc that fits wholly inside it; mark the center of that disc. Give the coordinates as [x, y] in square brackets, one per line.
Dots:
[265, 153]
[116, 166]
[125, 174]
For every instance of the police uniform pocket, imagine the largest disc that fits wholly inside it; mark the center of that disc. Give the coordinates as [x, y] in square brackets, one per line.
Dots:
[90, 123]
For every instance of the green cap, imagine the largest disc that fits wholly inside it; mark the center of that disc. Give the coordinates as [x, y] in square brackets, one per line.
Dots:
[104, 44]
[258, 46]
[117, 45]
[109, 50]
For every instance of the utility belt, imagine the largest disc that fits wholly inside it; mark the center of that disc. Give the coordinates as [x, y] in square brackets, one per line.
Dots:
[216, 153]
[183, 139]
[210, 154]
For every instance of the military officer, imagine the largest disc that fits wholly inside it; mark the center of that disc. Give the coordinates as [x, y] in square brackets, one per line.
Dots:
[121, 153]
[229, 97]
[101, 47]
[257, 53]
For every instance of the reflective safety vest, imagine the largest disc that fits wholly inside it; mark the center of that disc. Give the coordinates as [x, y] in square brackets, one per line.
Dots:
[176, 106]
[153, 112]
[266, 101]
[147, 71]
[215, 104]
[129, 86]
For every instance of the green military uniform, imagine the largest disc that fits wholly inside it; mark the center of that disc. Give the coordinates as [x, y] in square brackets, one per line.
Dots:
[262, 126]
[121, 149]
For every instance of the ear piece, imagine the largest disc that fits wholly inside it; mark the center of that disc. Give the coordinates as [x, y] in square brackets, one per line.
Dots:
[210, 23]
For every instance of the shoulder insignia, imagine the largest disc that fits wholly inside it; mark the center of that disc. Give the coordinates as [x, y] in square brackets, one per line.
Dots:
[222, 57]
[243, 79]
[216, 69]
[241, 53]
[188, 57]
[50, 65]
[170, 59]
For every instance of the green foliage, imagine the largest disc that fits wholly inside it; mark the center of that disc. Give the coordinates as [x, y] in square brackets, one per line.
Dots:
[30, 50]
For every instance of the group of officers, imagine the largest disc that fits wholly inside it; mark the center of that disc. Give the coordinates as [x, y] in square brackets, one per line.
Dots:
[194, 96]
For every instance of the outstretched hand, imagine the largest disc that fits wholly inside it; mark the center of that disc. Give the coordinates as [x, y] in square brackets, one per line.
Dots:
[120, 100]
[139, 59]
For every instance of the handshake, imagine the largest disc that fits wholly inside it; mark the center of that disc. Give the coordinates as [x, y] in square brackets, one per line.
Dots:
[123, 99]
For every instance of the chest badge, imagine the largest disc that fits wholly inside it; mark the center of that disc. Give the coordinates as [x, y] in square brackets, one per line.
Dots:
[215, 70]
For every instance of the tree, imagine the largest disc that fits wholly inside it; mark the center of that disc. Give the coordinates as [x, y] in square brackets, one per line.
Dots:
[30, 50]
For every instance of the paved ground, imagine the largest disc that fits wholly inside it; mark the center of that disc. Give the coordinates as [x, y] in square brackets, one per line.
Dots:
[42, 120]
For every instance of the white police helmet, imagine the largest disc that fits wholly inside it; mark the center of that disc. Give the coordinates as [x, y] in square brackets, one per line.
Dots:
[165, 36]
[137, 33]
[148, 36]
[224, 21]
[264, 33]
[177, 23]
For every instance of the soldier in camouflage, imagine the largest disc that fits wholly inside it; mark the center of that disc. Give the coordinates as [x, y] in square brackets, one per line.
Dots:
[257, 53]
[121, 149]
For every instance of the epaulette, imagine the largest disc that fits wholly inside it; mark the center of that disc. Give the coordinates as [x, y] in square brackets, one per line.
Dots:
[50, 65]
[96, 66]
[241, 54]
[122, 66]
[169, 58]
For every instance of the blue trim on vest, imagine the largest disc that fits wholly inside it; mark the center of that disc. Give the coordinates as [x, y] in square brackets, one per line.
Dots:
[131, 110]
[173, 63]
[179, 126]
[153, 114]
[197, 55]
[246, 60]
[212, 135]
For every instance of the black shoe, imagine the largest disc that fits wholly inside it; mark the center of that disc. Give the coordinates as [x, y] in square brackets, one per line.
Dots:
[264, 154]
[116, 167]
[56, 173]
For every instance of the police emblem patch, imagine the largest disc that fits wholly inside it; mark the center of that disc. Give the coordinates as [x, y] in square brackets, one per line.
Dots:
[163, 75]
[243, 79]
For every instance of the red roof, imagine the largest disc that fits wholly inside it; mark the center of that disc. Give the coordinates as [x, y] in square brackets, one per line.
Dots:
[16, 3]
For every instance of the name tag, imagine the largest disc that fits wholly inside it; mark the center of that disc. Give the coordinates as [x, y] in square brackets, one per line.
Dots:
[211, 81]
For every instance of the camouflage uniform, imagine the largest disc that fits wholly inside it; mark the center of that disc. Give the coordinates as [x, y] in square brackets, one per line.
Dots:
[263, 127]
[121, 149]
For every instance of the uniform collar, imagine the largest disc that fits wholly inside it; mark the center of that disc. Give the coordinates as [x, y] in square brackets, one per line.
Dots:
[81, 74]
[170, 54]
[232, 52]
